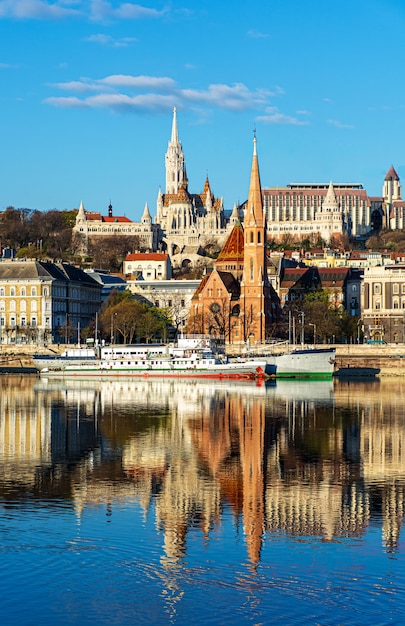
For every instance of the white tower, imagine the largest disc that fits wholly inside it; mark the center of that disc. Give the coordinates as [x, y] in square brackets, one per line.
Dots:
[175, 167]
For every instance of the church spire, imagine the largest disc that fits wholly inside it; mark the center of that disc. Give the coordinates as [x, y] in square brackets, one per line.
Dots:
[176, 176]
[175, 132]
[255, 200]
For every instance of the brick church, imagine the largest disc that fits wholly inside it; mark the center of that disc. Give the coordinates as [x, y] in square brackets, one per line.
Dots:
[236, 300]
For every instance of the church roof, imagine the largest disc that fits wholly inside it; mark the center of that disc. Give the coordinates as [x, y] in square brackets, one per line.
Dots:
[233, 247]
[97, 217]
[232, 285]
[391, 174]
[201, 285]
[147, 256]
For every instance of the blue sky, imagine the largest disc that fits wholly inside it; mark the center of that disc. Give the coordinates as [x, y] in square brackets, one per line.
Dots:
[88, 88]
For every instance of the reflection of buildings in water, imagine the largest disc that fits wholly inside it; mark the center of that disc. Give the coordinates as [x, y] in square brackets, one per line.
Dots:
[300, 457]
[25, 431]
[38, 431]
[326, 509]
[382, 449]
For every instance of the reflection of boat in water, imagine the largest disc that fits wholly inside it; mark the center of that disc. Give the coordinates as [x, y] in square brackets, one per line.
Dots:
[191, 357]
[303, 363]
[313, 390]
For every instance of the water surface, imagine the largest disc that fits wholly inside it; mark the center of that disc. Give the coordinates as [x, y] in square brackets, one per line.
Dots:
[201, 503]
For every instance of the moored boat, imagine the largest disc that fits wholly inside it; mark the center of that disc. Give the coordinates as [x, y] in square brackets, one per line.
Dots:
[190, 357]
[71, 356]
[303, 363]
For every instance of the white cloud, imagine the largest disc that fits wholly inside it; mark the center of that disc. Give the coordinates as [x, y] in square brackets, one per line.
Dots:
[235, 97]
[118, 102]
[256, 34]
[160, 83]
[102, 10]
[108, 40]
[38, 9]
[158, 92]
[78, 86]
[338, 124]
[273, 116]
[95, 10]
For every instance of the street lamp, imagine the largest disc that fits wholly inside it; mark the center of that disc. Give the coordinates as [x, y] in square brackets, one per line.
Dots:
[314, 325]
[113, 315]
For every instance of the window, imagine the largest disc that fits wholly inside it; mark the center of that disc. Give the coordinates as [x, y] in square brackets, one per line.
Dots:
[33, 291]
[23, 291]
[395, 288]
[377, 288]
[12, 291]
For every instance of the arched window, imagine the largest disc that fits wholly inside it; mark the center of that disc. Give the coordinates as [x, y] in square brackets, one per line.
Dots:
[12, 291]
[23, 291]
[251, 269]
[251, 237]
[33, 291]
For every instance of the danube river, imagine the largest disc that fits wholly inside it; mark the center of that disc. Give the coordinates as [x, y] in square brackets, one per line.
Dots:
[157, 502]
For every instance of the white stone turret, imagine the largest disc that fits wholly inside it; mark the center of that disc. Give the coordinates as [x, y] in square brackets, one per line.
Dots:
[146, 216]
[234, 217]
[330, 204]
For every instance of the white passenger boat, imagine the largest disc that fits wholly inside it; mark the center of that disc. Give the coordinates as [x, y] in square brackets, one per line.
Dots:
[189, 357]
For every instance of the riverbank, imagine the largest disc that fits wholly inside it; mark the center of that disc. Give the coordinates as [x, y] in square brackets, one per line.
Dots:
[389, 359]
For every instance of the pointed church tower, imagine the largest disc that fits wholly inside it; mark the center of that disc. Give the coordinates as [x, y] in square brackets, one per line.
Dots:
[329, 218]
[175, 165]
[392, 186]
[234, 217]
[255, 289]
[146, 216]
[330, 204]
[81, 215]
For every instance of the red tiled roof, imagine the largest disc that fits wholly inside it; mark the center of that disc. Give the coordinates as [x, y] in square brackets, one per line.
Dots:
[147, 256]
[107, 219]
[233, 247]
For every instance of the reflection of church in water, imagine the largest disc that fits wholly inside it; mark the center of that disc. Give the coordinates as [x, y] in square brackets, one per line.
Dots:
[280, 464]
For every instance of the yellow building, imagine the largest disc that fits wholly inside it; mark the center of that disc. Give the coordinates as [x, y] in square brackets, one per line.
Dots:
[45, 302]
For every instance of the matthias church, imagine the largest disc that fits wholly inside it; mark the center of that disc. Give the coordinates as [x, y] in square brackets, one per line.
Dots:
[186, 222]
